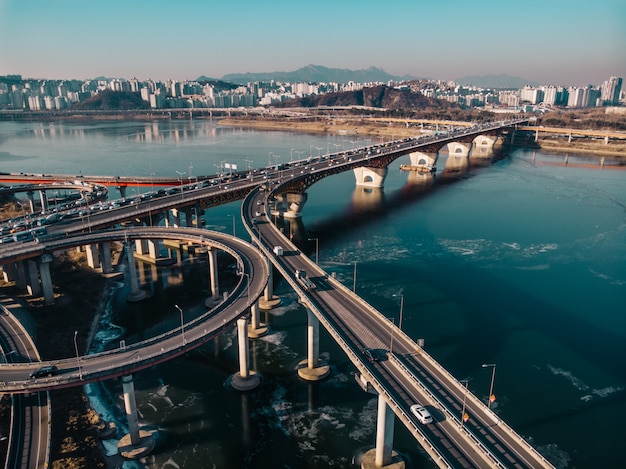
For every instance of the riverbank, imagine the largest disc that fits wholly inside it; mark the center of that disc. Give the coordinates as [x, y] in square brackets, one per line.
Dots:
[395, 129]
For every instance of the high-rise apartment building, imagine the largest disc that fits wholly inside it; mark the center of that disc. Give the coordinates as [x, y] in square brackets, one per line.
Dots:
[610, 91]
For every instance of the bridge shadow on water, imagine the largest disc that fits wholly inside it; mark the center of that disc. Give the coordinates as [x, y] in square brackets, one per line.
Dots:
[493, 314]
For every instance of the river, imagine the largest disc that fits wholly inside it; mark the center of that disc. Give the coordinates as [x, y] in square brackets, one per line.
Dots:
[519, 262]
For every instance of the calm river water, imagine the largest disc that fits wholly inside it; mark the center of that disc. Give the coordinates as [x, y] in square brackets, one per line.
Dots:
[519, 262]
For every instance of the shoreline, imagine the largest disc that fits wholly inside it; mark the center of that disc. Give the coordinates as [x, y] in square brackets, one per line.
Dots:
[347, 127]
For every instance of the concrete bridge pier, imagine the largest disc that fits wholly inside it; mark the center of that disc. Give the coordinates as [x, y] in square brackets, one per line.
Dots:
[458, 157]
[213, 274]
[136, 443]
[9, 272]
[269, 300]
[122, 190]
[256, 328]
[44, 201]
[20, 274]
[422, 161]
[383, 455]
[293, 203]
[92, 252]
[135, 294]
[245, 379]
[104, 251]
[370, 177]
[312, 368]
[485, 141]
[33, 286]
[46, 279]
[31, 201]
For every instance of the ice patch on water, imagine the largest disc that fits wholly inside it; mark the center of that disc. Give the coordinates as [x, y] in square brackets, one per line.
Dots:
[282, 310]
[559, 458]
[608, 278]
[577, 383]
[535, 267]
[276, 338]
[591, 393]
[605, 392]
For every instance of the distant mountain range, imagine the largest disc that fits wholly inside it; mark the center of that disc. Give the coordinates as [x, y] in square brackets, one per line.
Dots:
[495, 81]
[318, 73]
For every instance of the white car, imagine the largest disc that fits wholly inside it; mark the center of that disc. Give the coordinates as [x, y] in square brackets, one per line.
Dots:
[422, 414]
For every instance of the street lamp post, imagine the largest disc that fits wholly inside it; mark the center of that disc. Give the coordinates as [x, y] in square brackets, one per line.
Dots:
[182, 323]
[491, 396]
[317, 249]
[80, 372]
[354, 278]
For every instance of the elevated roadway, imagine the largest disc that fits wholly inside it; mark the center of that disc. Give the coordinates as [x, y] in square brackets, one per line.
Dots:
[409, 375]
[134, 357]
[29, 435]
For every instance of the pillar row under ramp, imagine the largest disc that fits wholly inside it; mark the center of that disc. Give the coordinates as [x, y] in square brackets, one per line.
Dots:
[136, 443]
[312, 368]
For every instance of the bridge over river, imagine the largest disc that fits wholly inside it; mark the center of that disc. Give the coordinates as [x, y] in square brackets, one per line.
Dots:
[405, 376]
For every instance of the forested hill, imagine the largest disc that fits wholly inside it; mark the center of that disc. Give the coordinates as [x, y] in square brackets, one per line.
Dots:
[381, 96]
[112, 101]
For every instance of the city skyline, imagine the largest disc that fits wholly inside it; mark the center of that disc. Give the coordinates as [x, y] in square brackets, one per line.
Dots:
[555, 42]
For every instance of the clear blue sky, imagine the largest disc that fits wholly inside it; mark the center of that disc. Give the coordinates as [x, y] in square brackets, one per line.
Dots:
[568, 42]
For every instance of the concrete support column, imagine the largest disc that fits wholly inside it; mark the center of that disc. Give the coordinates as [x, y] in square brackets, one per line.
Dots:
[244, 348]
[312, 369]
[46, 279]
[188, 217]
[104, 250]
[245, 379]
[175, 217]
[154, 248]
[384, 433]
[130, 404]
[31, 201]
[135, 294]
[93, 255]
[9, 272]
[44, 200]
[33, 287]
[257, 328]
[269, 300]
[213, 278]
[313, 339]
[20, 278]
[140, 246]
[137, 443]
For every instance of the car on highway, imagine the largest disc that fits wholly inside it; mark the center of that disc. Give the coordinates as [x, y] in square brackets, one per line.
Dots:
[422, 414]
[42, 372]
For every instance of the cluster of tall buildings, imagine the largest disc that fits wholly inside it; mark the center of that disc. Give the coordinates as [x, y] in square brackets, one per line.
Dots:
[30, 94]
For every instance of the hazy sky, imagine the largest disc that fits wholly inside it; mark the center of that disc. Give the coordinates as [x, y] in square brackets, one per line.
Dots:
[568, 42]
